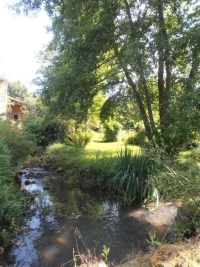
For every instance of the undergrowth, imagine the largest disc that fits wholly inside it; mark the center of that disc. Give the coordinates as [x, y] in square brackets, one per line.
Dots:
[11, 201]
[14, 148]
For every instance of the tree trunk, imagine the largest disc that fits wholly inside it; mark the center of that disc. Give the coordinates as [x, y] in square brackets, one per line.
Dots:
[148, 119]
[164, 85]
[140, 105]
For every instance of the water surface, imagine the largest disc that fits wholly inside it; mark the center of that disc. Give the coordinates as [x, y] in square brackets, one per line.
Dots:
[62, 219]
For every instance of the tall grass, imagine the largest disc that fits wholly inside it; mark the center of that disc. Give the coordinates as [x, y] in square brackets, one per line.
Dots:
[132, 177]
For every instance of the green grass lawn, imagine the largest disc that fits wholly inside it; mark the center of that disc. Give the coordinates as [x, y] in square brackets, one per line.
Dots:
[110, 148]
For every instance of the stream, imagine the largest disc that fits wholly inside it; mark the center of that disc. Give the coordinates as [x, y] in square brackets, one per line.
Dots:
[60, 219]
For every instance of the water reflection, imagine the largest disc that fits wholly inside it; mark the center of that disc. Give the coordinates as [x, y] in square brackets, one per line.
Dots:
[48, 238]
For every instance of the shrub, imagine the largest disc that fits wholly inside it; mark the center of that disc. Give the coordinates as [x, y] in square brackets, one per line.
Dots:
[18, 142]
[136, 138]
[132, 177]
[81, 139]
[44, 131]
[77, 135]
[111, 130]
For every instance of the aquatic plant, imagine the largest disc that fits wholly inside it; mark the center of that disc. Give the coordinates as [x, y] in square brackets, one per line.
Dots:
[132, 177]
[153, 240]
[106, 251]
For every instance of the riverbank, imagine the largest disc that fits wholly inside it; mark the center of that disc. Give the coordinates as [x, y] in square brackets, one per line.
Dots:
[184, 250]
[89, 170]
[182, 254]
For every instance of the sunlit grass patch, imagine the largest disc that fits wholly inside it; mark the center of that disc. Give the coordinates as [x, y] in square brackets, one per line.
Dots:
[109, 148]
[64, 152]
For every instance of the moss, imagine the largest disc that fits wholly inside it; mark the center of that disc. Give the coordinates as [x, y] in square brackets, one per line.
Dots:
[180, 254]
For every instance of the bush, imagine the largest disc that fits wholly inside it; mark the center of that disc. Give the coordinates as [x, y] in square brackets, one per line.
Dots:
[136, 138]
[18, 142]
[81, 139]
[44, 131]
[132, 177]
[77, 135]
[111, 130]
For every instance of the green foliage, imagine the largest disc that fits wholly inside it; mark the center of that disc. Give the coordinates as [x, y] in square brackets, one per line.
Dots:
[106, 251]
[94, 110]
[77, 135]
[17, 90]
[151, 63]
[4, 150]
[35, 127]
[111, 129]
[71, 178]
[132, 177]
[182, 134]
[81, 138]
[122, 66]
[187, 222]
[93, 167]
[11, 204]
[136, 138]
[44, 131]
[123, 110]
[153, 241]
[18, 142]
[179, 180]
[195, 154]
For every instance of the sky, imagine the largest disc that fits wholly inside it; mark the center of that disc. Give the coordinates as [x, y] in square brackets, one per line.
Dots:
[21, 38]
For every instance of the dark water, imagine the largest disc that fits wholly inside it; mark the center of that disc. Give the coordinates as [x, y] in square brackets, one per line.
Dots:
[61, 219]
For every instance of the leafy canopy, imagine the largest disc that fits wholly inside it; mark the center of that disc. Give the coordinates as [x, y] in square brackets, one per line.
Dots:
[147, 52]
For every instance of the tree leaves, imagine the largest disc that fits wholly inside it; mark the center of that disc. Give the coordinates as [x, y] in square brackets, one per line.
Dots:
[149, 47]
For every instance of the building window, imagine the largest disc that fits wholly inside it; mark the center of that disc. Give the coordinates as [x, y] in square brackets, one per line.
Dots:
[15, 117]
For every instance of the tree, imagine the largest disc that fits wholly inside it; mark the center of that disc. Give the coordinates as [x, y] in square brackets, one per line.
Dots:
[17, 90]
[94, 111]
[148, 51]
